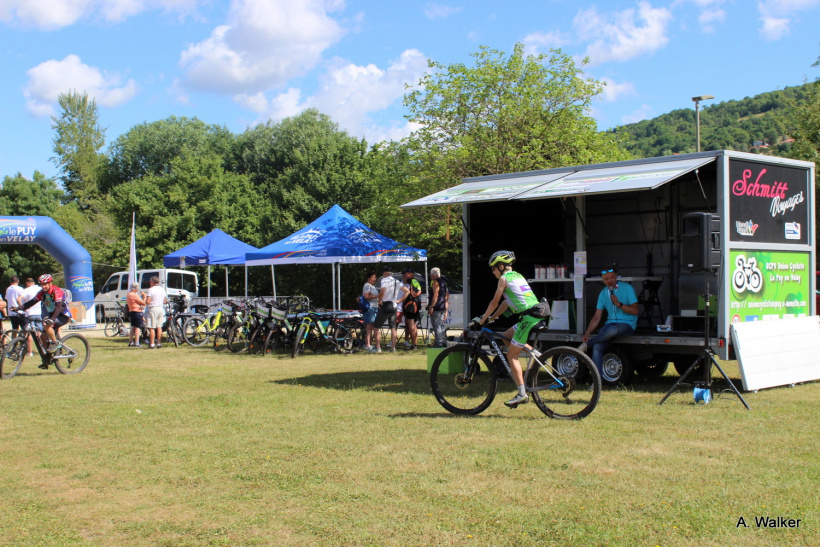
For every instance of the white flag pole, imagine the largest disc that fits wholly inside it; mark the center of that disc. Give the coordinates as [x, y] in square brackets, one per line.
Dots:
[132, 262]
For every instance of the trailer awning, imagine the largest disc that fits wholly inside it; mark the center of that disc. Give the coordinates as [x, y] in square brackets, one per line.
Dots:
[566, 182]
[488, 190]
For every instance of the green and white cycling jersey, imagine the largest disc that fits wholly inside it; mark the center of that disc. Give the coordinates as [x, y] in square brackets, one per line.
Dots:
[518, 294]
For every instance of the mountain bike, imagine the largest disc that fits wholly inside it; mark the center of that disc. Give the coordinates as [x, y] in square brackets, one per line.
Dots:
[198, 329]
[231, 317]
[328, 332]
[282, 332]
[175, 317]
[70, 357]
[563, 381]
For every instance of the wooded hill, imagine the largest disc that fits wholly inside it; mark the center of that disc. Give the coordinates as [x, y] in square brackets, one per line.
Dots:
[760, 124]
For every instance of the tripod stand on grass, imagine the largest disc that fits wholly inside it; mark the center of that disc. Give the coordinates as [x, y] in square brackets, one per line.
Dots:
[707, 356]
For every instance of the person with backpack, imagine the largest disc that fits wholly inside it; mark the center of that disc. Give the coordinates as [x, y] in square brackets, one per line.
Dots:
[439, 307]
[368, 305]
[411, 307]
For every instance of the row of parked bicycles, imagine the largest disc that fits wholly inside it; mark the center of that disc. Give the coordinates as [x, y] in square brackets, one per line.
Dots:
[257, 326]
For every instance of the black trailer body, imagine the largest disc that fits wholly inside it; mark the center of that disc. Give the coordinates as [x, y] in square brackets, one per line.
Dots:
[742, 223]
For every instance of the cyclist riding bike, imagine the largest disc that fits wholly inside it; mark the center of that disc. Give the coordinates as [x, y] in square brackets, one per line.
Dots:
[518, 298]
[55, 311]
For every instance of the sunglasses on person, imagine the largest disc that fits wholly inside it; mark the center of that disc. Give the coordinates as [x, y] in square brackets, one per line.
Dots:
[607, 271]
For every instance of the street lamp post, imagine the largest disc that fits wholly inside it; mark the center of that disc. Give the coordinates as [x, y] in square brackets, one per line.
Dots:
[697, 100]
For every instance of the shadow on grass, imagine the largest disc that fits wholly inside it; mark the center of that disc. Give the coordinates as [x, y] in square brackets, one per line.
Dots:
[392, 381]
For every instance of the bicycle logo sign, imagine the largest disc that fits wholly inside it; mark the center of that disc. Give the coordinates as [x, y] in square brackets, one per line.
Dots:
[747, 275]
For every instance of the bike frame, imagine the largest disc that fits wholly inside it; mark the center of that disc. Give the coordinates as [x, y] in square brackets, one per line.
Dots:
[491, 337]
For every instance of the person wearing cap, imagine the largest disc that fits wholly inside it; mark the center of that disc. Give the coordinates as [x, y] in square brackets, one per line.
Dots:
[411, 307]
[389, 294]
[622, 309]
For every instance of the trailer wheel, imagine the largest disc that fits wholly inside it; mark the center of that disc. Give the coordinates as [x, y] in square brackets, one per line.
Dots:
[682, 364]
[652, 368]
[617, 369]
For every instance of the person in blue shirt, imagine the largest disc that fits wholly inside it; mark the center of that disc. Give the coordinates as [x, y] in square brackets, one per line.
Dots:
[621, 305]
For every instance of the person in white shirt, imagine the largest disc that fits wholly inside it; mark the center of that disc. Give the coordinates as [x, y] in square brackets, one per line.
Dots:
[155, 312]
[389, 293]
[33, 314]
[14, 291]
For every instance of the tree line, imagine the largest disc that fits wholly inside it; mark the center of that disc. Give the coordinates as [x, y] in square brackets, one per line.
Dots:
[183, 177]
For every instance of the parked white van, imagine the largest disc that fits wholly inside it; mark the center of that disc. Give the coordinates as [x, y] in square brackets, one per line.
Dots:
[174, 282]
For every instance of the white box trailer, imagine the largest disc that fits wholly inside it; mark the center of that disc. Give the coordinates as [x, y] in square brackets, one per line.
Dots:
[743, 223]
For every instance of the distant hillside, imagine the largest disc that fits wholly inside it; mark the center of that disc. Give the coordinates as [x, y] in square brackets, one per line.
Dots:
[759, 124]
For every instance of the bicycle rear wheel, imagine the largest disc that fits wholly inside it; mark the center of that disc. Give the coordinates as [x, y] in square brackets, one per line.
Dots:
[12, 357]
[196, 331]
[220, 336]
[350, 335]
[113, 327]
[73, 356]
[565, 384]
[463, 381]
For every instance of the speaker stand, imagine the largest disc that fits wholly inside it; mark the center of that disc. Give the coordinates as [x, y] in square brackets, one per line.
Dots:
[707, 357]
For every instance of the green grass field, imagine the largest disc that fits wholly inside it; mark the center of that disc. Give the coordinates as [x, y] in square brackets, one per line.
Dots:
[191, 447]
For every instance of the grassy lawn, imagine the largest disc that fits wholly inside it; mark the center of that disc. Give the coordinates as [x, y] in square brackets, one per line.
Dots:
[191, 447]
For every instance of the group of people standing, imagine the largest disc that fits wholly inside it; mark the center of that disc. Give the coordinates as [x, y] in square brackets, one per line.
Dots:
[44, 307]
[392, 299]
[146, 310]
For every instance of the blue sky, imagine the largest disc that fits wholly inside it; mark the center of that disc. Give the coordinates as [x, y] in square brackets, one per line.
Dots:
[241, 62]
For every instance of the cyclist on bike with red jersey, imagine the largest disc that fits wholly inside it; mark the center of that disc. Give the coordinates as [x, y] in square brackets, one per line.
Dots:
[55, 310]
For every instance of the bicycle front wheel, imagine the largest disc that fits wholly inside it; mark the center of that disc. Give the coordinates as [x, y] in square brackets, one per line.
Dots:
[73, 356]
[276, 341]
[463, 381]
[12, 357]
[196, 331]
[563, 382]
[238, 338]
[299, 340]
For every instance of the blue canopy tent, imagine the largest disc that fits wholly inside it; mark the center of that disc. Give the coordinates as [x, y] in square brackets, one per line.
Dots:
[215, 248]
[335, 238]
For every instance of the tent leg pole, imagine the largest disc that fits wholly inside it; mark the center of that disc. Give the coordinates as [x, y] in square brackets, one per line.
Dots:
[273, 278]
[227, 287]
[246, 282]
[209, 286]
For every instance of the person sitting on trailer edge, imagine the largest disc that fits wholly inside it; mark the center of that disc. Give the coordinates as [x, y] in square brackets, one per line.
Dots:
[518, 298]
[54, 304]
[621, 305]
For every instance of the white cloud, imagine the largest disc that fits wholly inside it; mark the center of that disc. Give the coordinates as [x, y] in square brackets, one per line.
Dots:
[708, 17]
[614, 90]
[438, 11]
[55, 14]
[776, 16]
[535, 42]
[263, 44]
[47, 80]
[643, 113]
[623, 35]
[349, 94]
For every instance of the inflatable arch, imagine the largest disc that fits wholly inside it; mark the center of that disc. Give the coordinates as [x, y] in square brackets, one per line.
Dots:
[72, 256]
